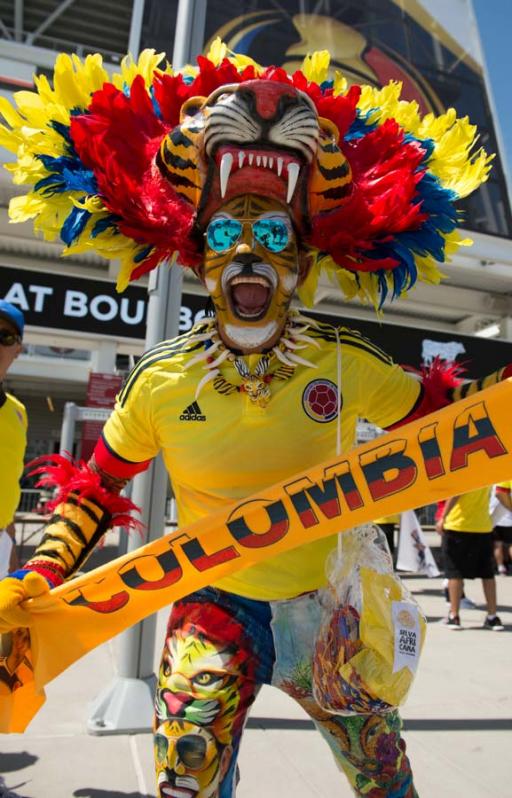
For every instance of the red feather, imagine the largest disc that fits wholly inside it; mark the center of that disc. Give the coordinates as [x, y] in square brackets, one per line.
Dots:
[385, 172]
[78, 478]
[437, 381]
[118, 139]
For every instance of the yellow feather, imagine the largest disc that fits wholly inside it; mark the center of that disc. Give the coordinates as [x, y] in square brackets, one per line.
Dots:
[340, 83]
[218, 51]
[307, 290]
[316, 66]
[146, 65]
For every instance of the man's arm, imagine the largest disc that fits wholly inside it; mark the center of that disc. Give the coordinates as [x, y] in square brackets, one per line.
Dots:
[84, 509]
[503, 496]
[88, 500]
[448, 505]
[87, 505]
[441, 384]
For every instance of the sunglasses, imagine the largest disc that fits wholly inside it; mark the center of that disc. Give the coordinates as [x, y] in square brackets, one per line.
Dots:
[191, 750]
[8, 338]
[223, 234]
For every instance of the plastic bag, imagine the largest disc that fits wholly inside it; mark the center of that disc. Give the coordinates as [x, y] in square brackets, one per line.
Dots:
[371, 633]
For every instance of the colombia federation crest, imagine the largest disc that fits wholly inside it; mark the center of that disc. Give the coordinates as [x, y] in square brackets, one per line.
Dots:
[320, 400]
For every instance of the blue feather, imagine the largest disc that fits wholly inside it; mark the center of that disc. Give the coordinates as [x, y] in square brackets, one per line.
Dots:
[74, 225]
[68, 174]
[142, 254]
[61, 129]
[154, 101]
[360, 126]
[103, 224]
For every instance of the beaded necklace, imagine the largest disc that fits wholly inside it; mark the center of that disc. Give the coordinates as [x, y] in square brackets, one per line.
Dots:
[255, 384]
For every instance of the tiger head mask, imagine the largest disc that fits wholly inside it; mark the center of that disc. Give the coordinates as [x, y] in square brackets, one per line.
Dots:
[142, 160]
[261, 135]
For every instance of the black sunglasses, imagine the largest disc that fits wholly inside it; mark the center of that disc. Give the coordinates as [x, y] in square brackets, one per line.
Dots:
[8, 338]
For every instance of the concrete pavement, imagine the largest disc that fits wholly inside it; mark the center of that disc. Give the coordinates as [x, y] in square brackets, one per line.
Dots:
[458, 724]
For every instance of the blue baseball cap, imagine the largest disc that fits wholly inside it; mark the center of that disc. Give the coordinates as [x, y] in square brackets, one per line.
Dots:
[12, 314]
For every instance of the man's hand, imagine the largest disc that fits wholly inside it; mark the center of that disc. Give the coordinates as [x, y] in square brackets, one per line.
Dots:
[440, 526]
[13, 592]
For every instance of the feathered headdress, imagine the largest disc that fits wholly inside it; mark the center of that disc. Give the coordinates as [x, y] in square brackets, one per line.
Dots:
[132, 166]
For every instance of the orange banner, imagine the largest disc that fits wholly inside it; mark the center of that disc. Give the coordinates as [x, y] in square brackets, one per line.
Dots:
[460, 448]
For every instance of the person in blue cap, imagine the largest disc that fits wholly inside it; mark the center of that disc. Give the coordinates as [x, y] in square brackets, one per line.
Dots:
[13, 431]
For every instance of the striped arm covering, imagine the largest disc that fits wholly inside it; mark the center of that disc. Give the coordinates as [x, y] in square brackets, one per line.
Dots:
[470, 387]
[70, 535]
[84, 508]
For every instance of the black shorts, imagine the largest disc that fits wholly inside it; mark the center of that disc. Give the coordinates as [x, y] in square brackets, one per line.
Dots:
[503, 534]
[468, 555]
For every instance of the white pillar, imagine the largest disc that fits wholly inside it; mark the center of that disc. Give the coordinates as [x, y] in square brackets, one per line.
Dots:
[506, 328]
[103, 358]
[126, 706]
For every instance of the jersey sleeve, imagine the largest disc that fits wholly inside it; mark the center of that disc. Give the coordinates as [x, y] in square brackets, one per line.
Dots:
[388, 393]
[129, 433]
[504, 487]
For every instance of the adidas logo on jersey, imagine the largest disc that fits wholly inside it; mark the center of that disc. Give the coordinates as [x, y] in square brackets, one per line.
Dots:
[192, 413]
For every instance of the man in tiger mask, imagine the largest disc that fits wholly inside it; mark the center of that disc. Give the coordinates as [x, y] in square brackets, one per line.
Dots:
[257, 179]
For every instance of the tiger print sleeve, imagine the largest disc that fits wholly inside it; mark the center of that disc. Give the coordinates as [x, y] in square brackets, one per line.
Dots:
[88, 501]
[469, 387]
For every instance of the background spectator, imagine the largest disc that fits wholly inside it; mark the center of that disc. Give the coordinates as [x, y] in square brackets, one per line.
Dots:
[13, 427]
[501, 509]
[467, 545]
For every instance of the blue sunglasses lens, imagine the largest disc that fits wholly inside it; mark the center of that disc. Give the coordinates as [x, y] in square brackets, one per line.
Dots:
[222, 234]
[272, 233]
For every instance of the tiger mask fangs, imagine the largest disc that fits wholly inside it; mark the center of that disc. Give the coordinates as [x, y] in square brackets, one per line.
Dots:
[260, 136]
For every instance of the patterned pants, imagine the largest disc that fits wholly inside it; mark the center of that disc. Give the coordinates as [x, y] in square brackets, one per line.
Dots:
[219, 650]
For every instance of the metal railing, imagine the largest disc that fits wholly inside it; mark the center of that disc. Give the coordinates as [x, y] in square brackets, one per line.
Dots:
[32, 500]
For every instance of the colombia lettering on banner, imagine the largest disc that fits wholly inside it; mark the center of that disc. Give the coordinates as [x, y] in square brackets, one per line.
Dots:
[458, 449]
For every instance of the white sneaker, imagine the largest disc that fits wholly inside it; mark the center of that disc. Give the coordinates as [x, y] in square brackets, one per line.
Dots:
[467, 604]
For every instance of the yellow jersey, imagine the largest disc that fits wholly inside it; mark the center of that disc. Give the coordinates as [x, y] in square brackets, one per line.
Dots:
[388, 519]
[221, 446]
[470, 513]
[13, 440]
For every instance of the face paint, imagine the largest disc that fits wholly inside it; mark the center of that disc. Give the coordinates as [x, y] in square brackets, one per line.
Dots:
[189, 761]
[251, 270]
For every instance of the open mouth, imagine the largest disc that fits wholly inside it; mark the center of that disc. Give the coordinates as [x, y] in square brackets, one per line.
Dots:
[250, 296]
[249, 165]
[167, 789]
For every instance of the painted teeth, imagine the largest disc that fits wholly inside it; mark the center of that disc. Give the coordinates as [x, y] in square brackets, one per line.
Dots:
[293, 174]
[225, 170]
[265, 161]
[249, 279]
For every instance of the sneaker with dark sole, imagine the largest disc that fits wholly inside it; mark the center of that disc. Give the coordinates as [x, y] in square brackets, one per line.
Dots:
[452, 623]
[494, 624]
